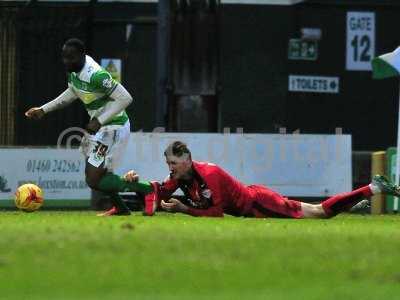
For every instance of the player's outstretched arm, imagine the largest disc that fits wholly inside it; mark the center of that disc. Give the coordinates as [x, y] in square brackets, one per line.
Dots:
[66, 98]
[174, 205]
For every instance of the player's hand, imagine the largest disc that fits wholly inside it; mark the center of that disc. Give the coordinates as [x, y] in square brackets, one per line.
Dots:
[131, 176]
[93, 126]
[174, 205]
[35, 113]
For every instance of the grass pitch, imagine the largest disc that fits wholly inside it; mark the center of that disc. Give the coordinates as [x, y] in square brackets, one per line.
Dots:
[76, 255]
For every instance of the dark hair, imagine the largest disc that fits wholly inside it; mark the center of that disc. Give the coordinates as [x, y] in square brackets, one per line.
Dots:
[77, 44]
[178, 149]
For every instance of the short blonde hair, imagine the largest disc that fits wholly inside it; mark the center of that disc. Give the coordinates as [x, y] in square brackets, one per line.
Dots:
[178, 149]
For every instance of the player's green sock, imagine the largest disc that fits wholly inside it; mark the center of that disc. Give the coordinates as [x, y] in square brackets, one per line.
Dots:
[115, 184]
[119, 203]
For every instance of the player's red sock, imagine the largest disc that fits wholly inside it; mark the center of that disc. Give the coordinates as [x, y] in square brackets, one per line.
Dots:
[343, 202]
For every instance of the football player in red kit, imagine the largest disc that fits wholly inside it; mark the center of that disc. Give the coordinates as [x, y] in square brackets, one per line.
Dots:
[211, 191]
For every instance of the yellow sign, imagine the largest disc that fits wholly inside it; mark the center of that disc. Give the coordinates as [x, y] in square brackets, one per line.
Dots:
[113, 66]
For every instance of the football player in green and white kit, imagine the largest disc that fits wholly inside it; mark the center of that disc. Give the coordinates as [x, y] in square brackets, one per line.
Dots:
[105, 101]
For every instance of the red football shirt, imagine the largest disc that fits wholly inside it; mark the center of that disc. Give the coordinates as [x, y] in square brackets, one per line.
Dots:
[212, 192]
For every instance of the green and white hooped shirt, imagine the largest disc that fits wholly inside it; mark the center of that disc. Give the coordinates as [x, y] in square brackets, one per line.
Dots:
[93, 86]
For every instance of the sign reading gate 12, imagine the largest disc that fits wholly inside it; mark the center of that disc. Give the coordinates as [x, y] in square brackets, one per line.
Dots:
[360, 43]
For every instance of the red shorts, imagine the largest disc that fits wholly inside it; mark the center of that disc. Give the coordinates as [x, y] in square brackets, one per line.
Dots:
[267, 203]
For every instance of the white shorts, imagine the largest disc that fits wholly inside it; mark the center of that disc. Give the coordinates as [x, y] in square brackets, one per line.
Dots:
[107, 145]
